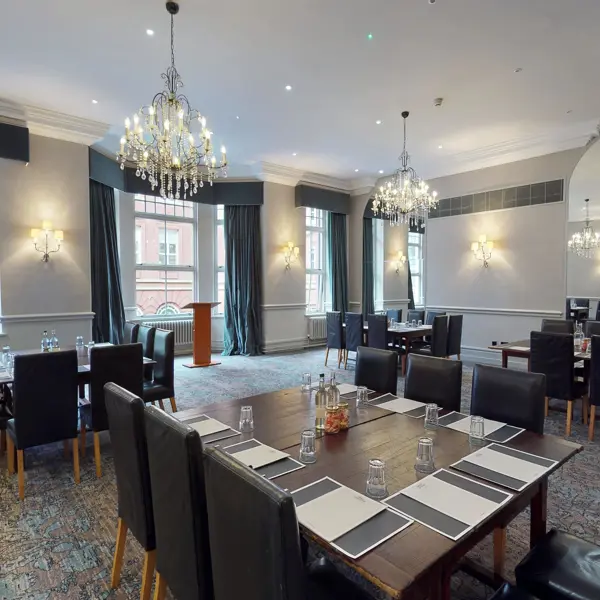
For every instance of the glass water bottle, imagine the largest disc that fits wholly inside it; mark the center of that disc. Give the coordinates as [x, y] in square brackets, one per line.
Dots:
[321, 404]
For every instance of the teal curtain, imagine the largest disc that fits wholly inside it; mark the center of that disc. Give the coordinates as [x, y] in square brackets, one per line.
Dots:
[368, 295]
[243, 282]
[107, 296]
[338, 261]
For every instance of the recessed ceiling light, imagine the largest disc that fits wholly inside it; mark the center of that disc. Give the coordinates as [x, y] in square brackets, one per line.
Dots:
[288, 88]
[378, 122]
[356, 170]
[518, 69]
[294, 153]
[440, 146]
[237, 116]
[94, 101]
[149, 32]
[381, 171]
[369, 36]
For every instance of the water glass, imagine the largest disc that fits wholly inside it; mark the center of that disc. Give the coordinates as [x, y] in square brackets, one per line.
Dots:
[424, 462]
[362, 396]
[420, 323]
[431, 416]
[5, 353]
[414, 323]
[308, 451]
[306, 382]
[407, 324]
[392, 323]
[376, 486]
[477, 432]
[10, 364]
[246, 419]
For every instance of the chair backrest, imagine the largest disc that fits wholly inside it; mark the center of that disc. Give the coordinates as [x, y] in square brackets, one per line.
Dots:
[595, 371]
[146, 338]
[598, 312]
[130, 452]
[592, 328]
[432, 314]
[415, 315]
[558, 326]
[509, 396]
[130, 333]
[377, 370]
[582, 302]
[164, 355]
[377, 334]
[354, 331]
[117, 364]
[254, 534]
[334, 329]
[439, 336]
[455, 325]
[45, 398]
[394, 313]
[434, 380]
[553, 355]
[179, 503]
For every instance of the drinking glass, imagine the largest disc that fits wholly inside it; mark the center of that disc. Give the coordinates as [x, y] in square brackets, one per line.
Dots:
[407, 324]
[5, 353]
[90, 345]
[246, 419]
[308, 451]
[477, 433]
[362, 396]
[392, 323]
[414, 323]
[10, 364]
[424, 462]
[420, 323]
[431, 416]
[376, 487]
[306, 382]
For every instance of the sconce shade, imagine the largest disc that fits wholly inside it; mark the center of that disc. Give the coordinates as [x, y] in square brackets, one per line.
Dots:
[490, 245]
[46, 225]
[35, 233]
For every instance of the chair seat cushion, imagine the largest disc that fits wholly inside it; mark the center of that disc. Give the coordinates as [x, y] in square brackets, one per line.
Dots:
[155, 391]
[325, 582]
[508, 592]
[561, 567]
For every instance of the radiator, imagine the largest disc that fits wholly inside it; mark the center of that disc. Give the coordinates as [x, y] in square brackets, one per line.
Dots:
[317, 328]
[183, 329]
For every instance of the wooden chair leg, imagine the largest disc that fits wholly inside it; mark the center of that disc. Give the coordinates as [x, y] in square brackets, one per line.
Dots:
[76, 459]
[97, 454]
[547, 409]
[162, 406]
[10, 451]
[592, 422]
[458, 356]
[569, 417]
[585, 409]
[173, 405]
[326, 355]
[345, 359]
[115, 578]
[21, 473]
[160, 587]
[66, 448]
[82, 433]
[148, 574]
[340, 351]
[2, 440]
[499, 550]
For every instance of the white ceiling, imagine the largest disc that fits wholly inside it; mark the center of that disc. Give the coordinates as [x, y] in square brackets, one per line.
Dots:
[236, 57]
[585, 183]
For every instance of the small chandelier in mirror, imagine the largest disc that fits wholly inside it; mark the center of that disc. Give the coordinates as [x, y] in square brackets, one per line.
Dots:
[585, 242]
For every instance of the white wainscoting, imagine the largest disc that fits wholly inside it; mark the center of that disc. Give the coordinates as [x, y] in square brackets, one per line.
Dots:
[24, 332]
[284, 327]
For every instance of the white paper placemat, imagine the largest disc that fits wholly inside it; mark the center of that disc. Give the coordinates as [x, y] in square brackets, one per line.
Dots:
[208, 426]
[400, 405]
[260, 456]
[346, 388]
[489, 426]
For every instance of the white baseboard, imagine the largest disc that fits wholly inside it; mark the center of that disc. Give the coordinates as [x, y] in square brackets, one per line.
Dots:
[285, 345]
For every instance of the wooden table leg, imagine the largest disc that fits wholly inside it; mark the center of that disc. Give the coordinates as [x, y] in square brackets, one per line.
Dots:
[504, 360]
[499, 551]
[539, 509]
[440, 588]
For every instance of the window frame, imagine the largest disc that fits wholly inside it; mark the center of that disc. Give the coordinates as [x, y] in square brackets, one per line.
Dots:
[419, 263]
[219, 221]
[324, 301]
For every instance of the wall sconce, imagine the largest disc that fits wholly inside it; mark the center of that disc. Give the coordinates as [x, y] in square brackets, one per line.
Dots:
[48, 239]
[400, 261]
[482, 250]
[290, 254]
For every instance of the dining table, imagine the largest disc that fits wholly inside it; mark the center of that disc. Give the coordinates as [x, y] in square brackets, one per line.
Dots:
[522, 349]
[416, 563]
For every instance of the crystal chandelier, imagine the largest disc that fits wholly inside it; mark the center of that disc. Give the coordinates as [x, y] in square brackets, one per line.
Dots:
[405, 198]
[586, 242]
[161, 143]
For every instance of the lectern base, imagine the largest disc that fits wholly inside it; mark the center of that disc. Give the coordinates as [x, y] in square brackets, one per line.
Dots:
[193, 366]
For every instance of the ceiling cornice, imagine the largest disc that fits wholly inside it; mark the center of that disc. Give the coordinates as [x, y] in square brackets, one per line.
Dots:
[273, 173]
[11, 112]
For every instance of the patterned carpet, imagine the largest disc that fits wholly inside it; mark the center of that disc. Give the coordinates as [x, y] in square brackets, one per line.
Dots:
[59, 543]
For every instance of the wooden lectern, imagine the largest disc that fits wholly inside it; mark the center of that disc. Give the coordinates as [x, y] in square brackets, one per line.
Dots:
[202, 341]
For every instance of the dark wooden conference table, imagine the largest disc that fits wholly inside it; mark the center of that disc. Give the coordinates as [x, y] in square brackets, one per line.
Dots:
[521, 349]
[417, 563]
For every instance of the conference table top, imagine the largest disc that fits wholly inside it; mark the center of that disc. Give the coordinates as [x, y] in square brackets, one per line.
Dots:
[417, 562]
[522, 349]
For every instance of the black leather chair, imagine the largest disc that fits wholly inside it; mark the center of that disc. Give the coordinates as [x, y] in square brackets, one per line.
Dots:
[128, 439]
[146, 338]
[509, 396]
[377, 335]
[130, 333]
[558, 326]
[432, 314]
[354, 334]
[455, 325]
[591, 328]
[122, 365]
[268, 564]
[553, 355]
[335, 335]
[377, 370]
[598, 312]
[594, 384]
[179, 504]
[439, 339]
[163, 385]
[508, 592]
[434, 380]
[561, 567]
[415, 315]
[394, 313]
[5, 414]
[44, 407]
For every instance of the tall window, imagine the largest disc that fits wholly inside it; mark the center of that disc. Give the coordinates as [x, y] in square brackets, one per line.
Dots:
[378, 262]
[415, 257]
[165, 234]
[316, 260]
[220, 254]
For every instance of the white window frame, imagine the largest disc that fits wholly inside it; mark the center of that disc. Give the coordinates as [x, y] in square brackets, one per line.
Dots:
[219, 222]
[417, 241]
[378, 262]
[324, 302]
[167, 255]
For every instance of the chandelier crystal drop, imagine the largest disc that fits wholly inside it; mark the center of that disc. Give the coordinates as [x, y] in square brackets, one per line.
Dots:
[169, 142]
[405, 198]
[587, 241]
